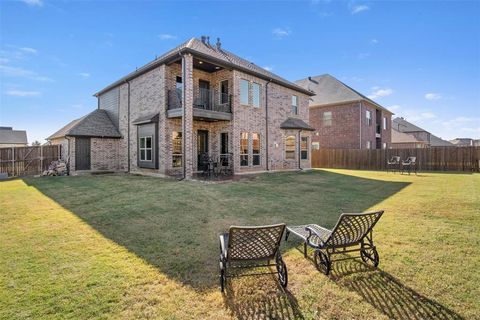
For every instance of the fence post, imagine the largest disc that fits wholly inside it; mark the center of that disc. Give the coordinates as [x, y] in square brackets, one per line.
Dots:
[13, 161]
[41, 159]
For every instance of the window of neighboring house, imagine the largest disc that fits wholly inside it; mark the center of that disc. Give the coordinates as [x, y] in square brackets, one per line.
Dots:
[304, 148]
[369, 145]
[244, 92]
[294, 104]
[244, 149]
[290, 147]
[145, 148]
[327, 118]
[224, 92]
[256, 95]
[368, 115]
[256, 149]
[177, 149]
[316, 145]
[384, 123]
[384, 145]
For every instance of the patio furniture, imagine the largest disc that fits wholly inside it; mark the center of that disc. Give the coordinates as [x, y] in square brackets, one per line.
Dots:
[252, 247]
[352, 233]
[225, 164]
[393, 164]
[409, 165]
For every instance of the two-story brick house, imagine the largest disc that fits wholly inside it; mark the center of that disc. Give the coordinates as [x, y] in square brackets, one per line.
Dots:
[194, 100]
[343, 118]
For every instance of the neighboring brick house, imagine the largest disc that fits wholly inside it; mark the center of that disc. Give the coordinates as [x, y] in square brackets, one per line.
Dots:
[465, 142]
[408, 135]
[194, 100]
[343, 118]
[12, 138]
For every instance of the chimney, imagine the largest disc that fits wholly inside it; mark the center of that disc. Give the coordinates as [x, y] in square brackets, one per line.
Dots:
[203, 39]
[310, 78]
[208, 41]
[219, 44]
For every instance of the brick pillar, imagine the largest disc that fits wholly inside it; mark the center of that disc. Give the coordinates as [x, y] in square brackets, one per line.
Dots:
[187, 115]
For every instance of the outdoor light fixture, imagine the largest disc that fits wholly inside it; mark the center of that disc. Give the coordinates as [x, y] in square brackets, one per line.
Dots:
[217, 67]
[200, 62]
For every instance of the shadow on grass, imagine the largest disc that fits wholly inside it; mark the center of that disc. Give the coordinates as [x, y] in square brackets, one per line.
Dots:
[386, 293]
[174, 226]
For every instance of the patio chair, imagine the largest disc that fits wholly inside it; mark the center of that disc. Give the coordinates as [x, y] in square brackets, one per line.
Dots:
[393, 164]
[352, 233]
[252, 247]
[409, 165]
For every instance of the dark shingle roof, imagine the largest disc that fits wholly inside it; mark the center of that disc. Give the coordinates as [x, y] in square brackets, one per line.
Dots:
[95, 124]
[330, 90]
[294, 123]
[220, 56]
[403, 125]
[9, 136]
[147, 119]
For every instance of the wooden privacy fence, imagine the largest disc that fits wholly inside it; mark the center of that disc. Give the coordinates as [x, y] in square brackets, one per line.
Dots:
[428, 159]
[24, 161]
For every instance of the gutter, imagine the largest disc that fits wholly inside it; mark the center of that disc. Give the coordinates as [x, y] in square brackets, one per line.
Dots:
[266, 123]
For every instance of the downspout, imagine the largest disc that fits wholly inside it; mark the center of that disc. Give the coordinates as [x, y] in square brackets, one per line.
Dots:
[299, 149]
[184, 123]
[128, 127]
[360, 125]
[266, 122]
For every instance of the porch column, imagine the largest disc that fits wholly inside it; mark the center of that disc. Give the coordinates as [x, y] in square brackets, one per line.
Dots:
[187, 115]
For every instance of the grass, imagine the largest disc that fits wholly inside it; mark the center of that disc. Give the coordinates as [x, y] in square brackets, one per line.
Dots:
[130, 247]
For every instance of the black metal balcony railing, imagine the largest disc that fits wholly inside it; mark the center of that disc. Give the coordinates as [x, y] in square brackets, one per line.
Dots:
[205, 99]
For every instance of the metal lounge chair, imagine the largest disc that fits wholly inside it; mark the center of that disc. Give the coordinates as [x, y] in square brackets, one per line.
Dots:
[352, 233]
[409, 165]
[393, 164]
[252, 247]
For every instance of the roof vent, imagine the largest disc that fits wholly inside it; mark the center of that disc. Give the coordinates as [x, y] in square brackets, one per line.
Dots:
[219, 44]
[208, 41]
[204, 39]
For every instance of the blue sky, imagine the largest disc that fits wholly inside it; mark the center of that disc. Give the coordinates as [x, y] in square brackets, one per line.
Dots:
[419, 59]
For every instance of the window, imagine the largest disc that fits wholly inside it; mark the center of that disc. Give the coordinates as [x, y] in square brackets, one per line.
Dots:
[304, 148]
[368, 115]
[369, 145]
[256, 149]
[290, 147]
[224, 92]
[244, 93]
[384, 124]
[176, 149]
[244, 149]
[145, 148]
[316, 145]
[224, 155]
[327, 118]
[256, 95]
[384, 145]
[294, 104]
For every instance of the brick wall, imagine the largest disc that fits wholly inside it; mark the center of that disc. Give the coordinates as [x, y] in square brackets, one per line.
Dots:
[104, 154]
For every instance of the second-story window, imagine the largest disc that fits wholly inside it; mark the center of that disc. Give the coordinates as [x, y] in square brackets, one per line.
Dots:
[294, 104]
[368, 115]
[244, 92]
[224, 91]
[384, 123]
[327, 118]
[256, 95]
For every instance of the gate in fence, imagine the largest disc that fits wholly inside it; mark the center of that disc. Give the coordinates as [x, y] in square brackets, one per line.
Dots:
[25, 161]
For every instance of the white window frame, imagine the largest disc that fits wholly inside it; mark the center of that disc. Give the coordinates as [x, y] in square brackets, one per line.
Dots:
[327, 122]
[254, 84]
[368, 116]
[288, 152]
[177, 154]
[369, 144]
[384, 145]
[384, 123]
[295, 105]
[140, 149]
[248, 92]
[315, 145]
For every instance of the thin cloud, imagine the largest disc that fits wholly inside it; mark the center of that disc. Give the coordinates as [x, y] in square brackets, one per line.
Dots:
[84, 75]
[22, 73]
[21, 93]
[363, 55]
[433, 96]
[29, 50]
[281, 33]
[359, 8]
[268, 68]
[33, 3]
[378, 93]
[373, 41]
[166, 36]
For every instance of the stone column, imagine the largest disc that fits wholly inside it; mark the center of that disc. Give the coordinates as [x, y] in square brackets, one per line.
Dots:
[187, 115]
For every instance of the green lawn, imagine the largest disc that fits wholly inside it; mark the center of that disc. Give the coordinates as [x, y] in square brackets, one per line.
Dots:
[130, 247]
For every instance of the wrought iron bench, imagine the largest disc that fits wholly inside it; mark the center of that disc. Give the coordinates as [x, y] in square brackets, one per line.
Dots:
[393, 164]
[352, 233]
[252, 247]
[409, 165]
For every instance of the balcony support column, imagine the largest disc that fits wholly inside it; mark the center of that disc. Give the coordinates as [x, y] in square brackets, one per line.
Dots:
[187, 116]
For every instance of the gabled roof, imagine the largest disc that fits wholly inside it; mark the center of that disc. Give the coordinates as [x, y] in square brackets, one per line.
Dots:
[295, 123]
[402, 125]
[95, 124]
[10, 136]
[402, 137]
[329, 90]
[214, 54]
